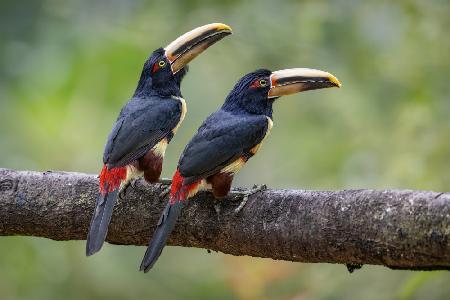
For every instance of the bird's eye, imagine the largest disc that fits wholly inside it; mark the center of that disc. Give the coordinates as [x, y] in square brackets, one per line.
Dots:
[258, 83]
[161, 63]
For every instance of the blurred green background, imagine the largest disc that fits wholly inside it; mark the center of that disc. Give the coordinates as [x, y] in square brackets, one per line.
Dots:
[66, 68]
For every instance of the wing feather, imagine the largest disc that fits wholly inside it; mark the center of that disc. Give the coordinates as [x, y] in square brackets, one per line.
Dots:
[140, 126]
[221, 139]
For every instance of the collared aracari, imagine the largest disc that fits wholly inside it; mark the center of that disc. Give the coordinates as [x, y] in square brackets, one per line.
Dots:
[147, 123]
[227, 139]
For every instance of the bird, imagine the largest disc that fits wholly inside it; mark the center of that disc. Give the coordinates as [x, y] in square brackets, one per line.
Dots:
[146, 124]
[227, 139]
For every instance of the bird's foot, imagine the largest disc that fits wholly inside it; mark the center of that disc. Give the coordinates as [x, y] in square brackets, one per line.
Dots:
[165, 181]
[247, 194]
[123, 191]
[217, 206]
[164, 192]
[165, 184]
[133, 183]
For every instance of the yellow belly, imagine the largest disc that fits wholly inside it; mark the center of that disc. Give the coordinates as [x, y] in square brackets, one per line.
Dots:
[160, 148]
[234, 167]
[132, 173]
[183, 113]
[202, 186]
[255, 149]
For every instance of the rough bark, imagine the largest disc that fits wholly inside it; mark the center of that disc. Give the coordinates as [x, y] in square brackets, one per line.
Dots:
[400, 229]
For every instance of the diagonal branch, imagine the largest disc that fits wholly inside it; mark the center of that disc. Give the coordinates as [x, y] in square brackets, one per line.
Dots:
[401, 229]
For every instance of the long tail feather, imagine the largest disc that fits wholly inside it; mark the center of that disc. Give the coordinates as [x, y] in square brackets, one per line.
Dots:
[110, 181]
[100, 221]
[165, 226]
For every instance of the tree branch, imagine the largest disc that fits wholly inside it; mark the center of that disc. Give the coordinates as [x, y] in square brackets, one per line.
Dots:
[401, 229]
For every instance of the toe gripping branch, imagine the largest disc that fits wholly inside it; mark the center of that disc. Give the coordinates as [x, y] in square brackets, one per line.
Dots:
[247, 194]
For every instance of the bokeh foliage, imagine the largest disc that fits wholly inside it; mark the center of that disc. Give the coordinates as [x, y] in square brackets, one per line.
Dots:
[66, 68]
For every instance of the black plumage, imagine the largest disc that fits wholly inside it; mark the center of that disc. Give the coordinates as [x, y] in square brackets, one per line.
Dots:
[227, 139]
[145, 120]
[147, 123]
[227, 135]
[224, 137]
[142, 123]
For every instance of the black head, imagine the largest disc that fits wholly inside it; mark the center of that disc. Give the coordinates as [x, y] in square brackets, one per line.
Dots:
[255, 92]
[165, 68]
[157, 77]
[250, 94]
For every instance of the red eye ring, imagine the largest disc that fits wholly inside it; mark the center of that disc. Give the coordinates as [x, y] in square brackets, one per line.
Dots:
[258, 83]
[255, 84]
[159, 65]
[155, 68]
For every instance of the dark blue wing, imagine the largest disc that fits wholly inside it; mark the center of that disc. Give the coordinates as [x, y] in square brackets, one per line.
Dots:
[221, 139]
[141, 124]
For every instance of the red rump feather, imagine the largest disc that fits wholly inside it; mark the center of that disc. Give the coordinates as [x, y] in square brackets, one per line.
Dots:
[179, 191]
[110, 179]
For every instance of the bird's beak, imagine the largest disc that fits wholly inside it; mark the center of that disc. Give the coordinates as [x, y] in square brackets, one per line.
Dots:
[185, 48]
[290, 81]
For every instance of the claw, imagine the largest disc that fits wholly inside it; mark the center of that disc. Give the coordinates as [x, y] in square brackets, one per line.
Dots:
[133, 183]
[165, 181]
[165, 192]
[247, 194]
[123, 191]
[217, 206]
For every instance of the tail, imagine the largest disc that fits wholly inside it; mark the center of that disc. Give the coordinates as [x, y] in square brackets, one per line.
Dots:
[165, 226]
[110, 181]
[178, 194]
